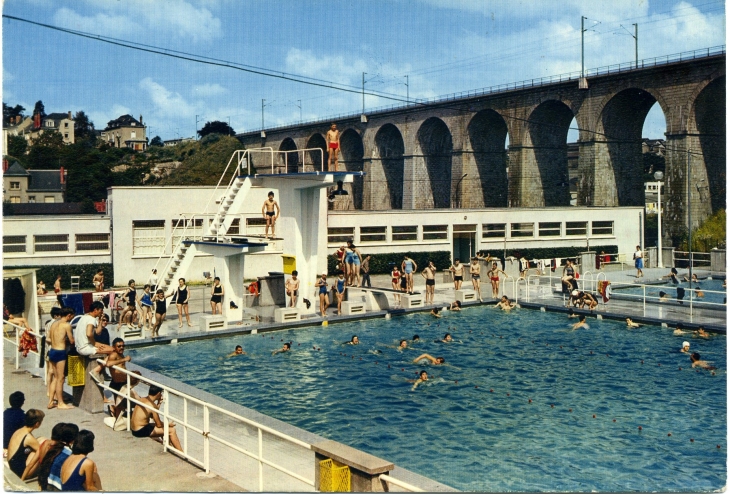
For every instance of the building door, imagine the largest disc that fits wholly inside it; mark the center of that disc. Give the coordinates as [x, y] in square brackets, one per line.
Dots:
[464, 242]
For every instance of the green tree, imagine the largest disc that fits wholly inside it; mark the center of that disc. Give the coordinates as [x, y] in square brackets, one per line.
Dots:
[156, 141]
[45, 152]
[83, 127]
[17, 145]
[10, 112]
[39, 108]
[216, 127]
[710, 234]
[652, 163]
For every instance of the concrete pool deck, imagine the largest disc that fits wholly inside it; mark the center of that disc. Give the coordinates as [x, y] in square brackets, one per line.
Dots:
[714, 318]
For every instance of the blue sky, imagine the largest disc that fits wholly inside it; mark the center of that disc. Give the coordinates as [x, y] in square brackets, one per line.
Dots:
[443, 47]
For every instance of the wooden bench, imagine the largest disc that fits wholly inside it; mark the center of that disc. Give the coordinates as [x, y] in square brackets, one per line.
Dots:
[287, 314]
[352, 307]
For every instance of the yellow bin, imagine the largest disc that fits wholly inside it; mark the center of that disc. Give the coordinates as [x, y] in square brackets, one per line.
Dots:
[290, 263]
[333, 477]
[76, 371]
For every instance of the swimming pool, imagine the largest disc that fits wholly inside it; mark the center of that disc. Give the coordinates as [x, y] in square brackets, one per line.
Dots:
[513, 409]
[709, 287]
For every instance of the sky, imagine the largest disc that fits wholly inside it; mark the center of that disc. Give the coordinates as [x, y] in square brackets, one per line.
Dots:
[443, 46]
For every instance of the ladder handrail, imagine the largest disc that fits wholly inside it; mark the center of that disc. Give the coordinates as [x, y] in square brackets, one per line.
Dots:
[185, 222]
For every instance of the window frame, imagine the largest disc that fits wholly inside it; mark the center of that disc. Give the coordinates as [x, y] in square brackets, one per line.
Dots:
[404, 233]
[576, 231]
[549, 226]
[519, 230]
[370, 234]
[58, 242]
[488, 232]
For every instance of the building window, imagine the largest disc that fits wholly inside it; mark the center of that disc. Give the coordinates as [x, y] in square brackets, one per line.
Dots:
[65, 135]
[405, 233]
[148, 237]
[235, 227]
[576, 228]
[49, 199]
[183, 229]
[49, 123]
[549, 229]
[337, 235]
[372, 233]
[51, 243]
[31, 199]
[13, 243]
[493, 230]
[134, 134]
[435, 232]
[14, 185]
[465, 228]
[602, 228]
[255, 226]
[15, 200]
[65, 124]
[92, 241]
[522, 230]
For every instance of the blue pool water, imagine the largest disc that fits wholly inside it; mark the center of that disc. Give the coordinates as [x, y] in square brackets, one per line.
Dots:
[713, 290]
[511, 411]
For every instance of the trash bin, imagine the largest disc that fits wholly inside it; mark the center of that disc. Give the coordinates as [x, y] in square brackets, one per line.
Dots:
[290, 263]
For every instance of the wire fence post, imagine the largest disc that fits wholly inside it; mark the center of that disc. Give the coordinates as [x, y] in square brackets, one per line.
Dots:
[185, 428]
[166, 422]
[17, 349]
[128, 394]
[261, 464]
[644, 287]
[206, 439]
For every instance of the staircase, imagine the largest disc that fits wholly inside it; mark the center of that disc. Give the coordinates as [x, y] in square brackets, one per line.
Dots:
[170, 268]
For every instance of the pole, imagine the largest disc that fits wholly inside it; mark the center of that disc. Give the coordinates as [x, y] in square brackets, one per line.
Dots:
[300, 110]
[660, 263]
[689, 222]
[636, 44]
[363, 92]
[407, 91]
[262, 114]
[582, 48]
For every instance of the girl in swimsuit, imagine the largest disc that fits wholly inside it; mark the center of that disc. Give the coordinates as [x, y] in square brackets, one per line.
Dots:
[356, 258]
[216, 296]
[409, 266]
[348, 265]
[145, 302]
[395, 276]
[323, 302]
[183, 296]
[23, 446]
[79, 472]
[340, 287]
[160, 311]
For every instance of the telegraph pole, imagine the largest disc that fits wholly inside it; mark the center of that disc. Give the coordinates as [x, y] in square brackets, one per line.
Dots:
[636, 44]
[582, 46]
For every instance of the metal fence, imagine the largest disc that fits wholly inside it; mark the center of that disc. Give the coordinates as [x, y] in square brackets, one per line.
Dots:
[12, 333]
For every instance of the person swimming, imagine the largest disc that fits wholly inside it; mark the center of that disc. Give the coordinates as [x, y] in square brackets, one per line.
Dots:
[685, 347]
[632, 324]
[416, 338]
[422, 378]
[446, 339]
[581, 323]
[435, 312]
[285, 348]
[698, 362]
[353, 341]
[434, 361]
[402, 345]
[237, 351]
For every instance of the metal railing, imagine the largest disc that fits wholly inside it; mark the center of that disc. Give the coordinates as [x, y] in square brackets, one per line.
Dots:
[697, 259]
[301, 162]
[512, 86]
[12, 334]
[403, 485]
[204, 431]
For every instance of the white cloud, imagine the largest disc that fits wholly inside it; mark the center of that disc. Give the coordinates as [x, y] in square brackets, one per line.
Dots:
[102, 117]
[166, 103]
[131, 18]
[206, 90]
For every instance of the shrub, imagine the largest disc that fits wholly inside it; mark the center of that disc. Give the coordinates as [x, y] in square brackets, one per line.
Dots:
[85, 271]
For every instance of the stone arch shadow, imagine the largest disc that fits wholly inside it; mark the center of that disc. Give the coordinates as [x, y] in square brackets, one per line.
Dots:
[387, 169]
[351, 156]
[548, 126]
[291, 161]
[487, 133]
[436, 145]
[313, 161]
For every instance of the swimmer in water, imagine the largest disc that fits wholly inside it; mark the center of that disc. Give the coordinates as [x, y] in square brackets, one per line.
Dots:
[402, 345]
[701, 332]
[435, 312]
[699, 293]
[446, 339]
[456, 305]
[679, 329]
[698, 362]
[354, 341]
[285, 348]
[434, 361]
[632, 324]
[238, 351]
[663, 297]
[581, 323]
[505, 303]
[685, 347]
[422, 378]
[416, 338]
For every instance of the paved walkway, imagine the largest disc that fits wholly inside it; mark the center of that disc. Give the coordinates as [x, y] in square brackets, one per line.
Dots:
[125, 463]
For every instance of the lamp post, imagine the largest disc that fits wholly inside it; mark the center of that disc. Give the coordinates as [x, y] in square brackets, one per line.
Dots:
[659, 176]
[456, 192]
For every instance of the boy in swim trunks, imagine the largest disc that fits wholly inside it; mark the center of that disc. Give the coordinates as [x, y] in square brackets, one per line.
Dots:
[333, 147]
[141, 425]
[58, 334]
[292, 288]
[270, 210]
[458, 270]
[429, 272]
[475, 270]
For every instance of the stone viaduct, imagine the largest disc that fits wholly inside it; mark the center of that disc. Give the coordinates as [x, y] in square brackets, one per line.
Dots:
[451, 154]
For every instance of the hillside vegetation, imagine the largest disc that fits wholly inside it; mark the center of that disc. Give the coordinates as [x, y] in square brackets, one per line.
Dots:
[202, 161]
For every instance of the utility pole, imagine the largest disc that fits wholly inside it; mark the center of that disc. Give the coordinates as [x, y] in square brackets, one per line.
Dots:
[262, 114]
[363, 92]
[196, 126]
[636, 44]
[689, 220]
[582, 47]
[300, 110]
[407, 91]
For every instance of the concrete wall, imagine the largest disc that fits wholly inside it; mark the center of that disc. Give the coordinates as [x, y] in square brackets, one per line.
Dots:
[32, 226]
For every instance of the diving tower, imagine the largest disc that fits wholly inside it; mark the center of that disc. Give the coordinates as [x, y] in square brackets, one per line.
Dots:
[302, 225]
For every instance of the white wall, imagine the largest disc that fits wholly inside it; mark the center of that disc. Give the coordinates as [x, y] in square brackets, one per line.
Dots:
[31, 226]
[128, 204]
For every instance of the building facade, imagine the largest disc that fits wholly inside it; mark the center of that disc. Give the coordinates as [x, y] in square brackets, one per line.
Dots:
[127, 132]
[21, 186]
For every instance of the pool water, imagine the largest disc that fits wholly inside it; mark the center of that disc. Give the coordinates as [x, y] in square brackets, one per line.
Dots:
[713, 290]
[512, 410]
